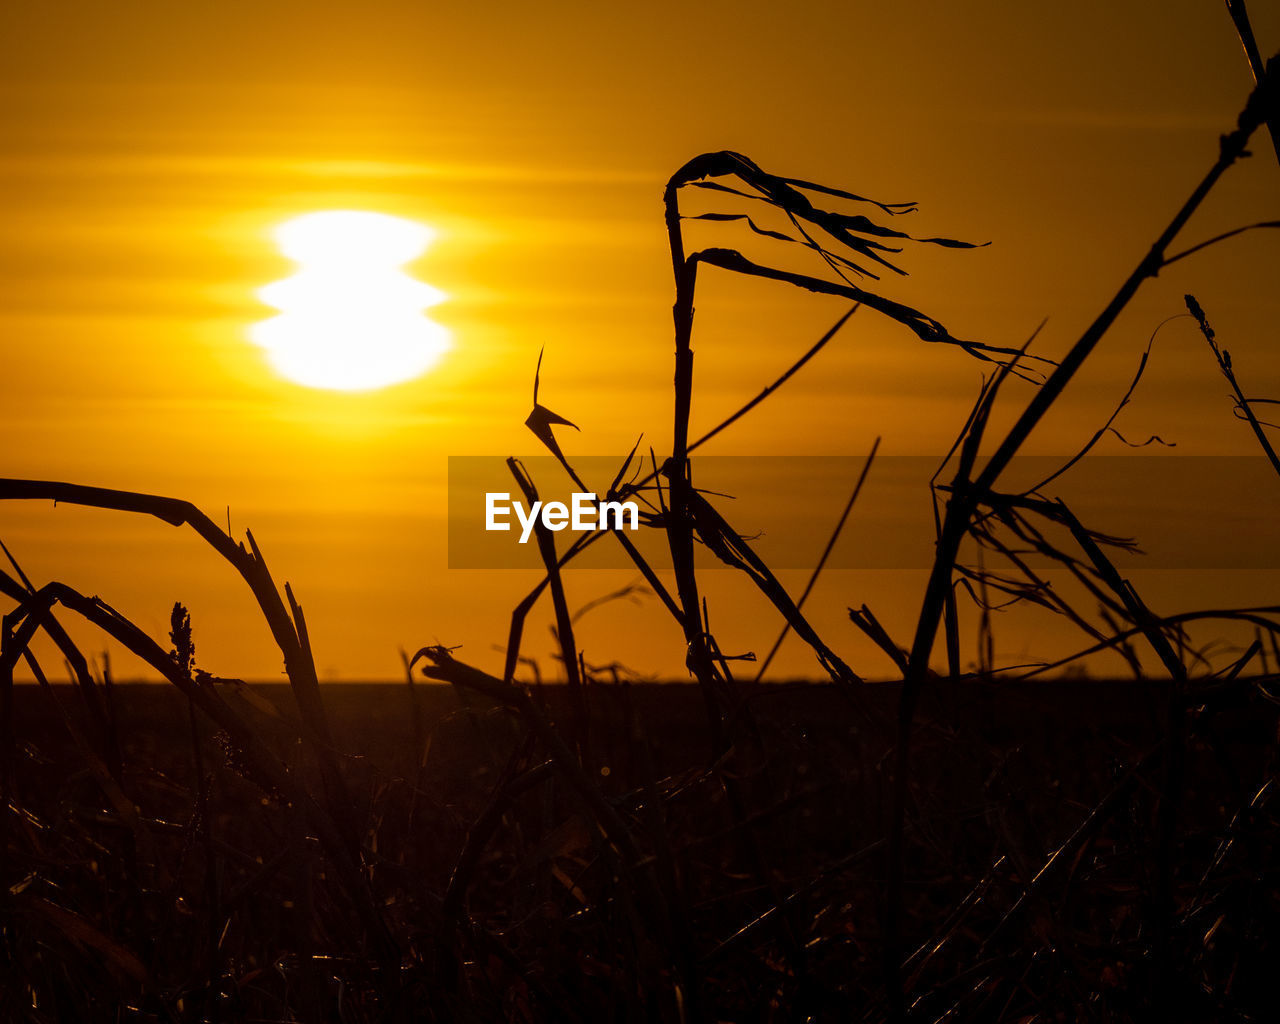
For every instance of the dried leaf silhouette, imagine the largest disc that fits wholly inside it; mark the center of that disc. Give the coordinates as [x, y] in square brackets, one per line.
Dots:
[870, 625]
[732, 548]
[924, 327]
[743, 217]
[806, 239]
[1153, 439]
[893, 209]
[787, 194]
[853, 241]
[1108, 426]
[542, 419]
[626, 465]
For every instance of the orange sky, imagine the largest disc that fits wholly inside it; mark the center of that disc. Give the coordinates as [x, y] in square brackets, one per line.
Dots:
[149, 148]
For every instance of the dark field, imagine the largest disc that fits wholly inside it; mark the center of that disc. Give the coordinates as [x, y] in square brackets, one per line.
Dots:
[944, 849]
[747, 889]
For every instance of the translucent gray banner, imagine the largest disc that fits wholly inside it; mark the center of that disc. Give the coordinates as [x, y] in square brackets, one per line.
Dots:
[1183, 512]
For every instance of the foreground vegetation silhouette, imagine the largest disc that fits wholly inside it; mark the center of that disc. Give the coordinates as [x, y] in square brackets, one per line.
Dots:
[955, 845]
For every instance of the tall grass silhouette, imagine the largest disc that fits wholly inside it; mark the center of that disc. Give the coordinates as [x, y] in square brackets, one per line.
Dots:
[949, 847]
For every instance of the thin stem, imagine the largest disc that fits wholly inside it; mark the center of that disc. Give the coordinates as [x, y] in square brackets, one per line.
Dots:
[679, 522]
[1224, 364]
[826, 553]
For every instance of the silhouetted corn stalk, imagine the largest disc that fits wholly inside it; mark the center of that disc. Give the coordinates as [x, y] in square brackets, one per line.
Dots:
[263, 767]
[969, 489]
[847, 233]
[287, 626]
[564, 621]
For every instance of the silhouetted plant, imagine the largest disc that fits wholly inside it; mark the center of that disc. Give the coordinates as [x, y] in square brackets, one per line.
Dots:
[561, 873]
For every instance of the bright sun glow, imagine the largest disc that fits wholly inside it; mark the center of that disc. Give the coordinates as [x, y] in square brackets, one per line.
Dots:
[351, 319]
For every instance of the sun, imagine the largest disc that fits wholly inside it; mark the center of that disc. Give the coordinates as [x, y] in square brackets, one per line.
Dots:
[351, 319]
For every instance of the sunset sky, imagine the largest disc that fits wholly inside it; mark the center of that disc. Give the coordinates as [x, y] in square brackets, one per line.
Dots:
[150, 150]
